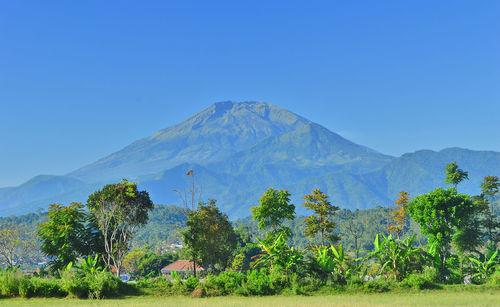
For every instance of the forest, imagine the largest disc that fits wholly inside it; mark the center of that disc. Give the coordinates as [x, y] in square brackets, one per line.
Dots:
[119, 241]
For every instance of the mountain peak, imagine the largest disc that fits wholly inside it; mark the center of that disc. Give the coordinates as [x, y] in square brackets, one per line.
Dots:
[212, 134]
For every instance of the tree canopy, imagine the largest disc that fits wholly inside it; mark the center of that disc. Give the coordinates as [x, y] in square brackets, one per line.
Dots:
[454, 175]
[119, 209]
[210, 236]
[320, 221]
[274, 208]
[64, 235]
[446, 216]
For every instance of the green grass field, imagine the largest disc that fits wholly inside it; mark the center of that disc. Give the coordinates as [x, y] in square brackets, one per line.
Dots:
[423, 298]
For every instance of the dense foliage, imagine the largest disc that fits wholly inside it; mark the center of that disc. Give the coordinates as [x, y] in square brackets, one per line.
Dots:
[436, 238]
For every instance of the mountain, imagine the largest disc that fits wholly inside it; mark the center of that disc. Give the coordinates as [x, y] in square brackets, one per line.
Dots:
[20, 199]
[421, 171]
[310, 147]
[213, 134]
[238, 150]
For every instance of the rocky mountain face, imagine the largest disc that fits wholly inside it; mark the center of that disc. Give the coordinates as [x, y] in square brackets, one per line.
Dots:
[238, 150]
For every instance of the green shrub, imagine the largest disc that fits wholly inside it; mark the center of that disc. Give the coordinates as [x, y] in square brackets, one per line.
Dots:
[223, 284]
[102, 284]
[45, 287]
[257, 283]
[419, 281]
[97, 285]
[494, 279]
[25, 287]
[191, 283]
[9, 282]
[377, 286]
[157, 285]
[75, 284]
[14, 283]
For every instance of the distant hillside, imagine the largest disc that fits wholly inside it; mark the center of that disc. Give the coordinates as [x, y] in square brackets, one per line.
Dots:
[423, 171]
[238, 150]
[36, 193]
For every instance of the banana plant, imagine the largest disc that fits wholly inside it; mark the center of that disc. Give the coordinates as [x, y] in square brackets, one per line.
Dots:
[89, 265]
[484, 265]
[341, 262]
[396, 256]
[324, 260]
[277, 253]
[333, 259]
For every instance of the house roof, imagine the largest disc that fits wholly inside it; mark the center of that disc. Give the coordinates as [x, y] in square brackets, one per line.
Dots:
[181, 265]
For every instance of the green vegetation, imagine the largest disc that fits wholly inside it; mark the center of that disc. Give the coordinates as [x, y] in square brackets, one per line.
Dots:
[320, 222]
[210, 237]
[118, 210]
[453, 247]
[273, 210]
[64, 235]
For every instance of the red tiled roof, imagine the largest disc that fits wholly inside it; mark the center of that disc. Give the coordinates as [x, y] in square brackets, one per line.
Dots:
[181, 265]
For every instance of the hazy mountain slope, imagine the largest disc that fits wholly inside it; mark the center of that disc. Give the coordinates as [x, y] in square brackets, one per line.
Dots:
[310, 148]
[236, 194]
[212, 134]
[238, 150]
[17, 200]
[422, 171]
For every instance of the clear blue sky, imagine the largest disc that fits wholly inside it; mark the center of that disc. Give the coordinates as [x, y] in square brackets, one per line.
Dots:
[82, 79]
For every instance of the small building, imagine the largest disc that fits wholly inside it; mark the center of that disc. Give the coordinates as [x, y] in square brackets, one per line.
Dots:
[183, 267]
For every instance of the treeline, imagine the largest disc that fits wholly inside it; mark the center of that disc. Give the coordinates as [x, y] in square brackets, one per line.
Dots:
[440, 237]
[165, 224]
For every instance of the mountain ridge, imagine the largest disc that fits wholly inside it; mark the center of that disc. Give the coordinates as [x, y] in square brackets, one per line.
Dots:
[213, 133]
[238, 150]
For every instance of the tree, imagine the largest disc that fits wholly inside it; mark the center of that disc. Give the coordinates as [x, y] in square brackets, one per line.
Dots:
[119, 209]
[63, 235]
[490, 185]
[319, 222]
[245, 247]
[16, 244]
[489, 191]
[354, 227]
[399, 216]
[209, 236]
[274, 208]
[142, 262]
[454, 175]
[445, 217]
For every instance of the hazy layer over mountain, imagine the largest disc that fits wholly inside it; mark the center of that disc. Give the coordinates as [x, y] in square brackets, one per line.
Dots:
[210, 135]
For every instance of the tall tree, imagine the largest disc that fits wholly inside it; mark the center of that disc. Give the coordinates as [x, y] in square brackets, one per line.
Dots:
[355, 228]
[399, 216]
[119, 209]
[489, 191]
[16, 244]
[454, 175]
[63, 235]
[445, 217]
[273, 210]
[320, 221]
[209, 236]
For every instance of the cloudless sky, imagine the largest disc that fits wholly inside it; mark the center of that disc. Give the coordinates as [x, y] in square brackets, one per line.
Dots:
[82, 79]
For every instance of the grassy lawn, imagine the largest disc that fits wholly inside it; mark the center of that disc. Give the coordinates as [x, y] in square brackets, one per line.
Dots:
[423, 298]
